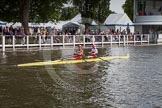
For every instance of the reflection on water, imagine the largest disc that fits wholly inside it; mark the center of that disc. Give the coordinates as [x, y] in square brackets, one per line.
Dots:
[122, 83]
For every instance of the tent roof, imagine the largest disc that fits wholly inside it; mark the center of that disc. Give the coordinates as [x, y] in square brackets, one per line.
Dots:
[93, 23]
[77, 18]
[71, 24]
[60, 24]
[3, 23]
[17, 24]
[118, 19]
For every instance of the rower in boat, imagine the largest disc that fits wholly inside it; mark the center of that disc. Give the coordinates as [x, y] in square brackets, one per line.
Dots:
[93, 53]
[79, 53]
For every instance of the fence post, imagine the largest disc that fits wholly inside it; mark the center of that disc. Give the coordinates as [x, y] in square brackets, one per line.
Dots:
[74, 41]
[148, 39]
[13, 42]
[102, 40]
[111, 40]
[127, 40]
[40, 42]
[27, 42]
[93, 39]
[3, 43]
[119, 39]
[141, 39]
[51, 41]
[124, 41]
[63, 41]
[84, 41]
[134, 39]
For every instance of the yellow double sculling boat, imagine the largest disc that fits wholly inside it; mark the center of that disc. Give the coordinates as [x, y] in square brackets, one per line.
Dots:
[59, 62]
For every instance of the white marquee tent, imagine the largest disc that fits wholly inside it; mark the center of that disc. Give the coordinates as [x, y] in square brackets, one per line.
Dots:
[77, 18]
[119, 21]
[2, 23]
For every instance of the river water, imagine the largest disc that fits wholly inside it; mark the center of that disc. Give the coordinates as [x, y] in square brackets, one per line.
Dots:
[121, 83]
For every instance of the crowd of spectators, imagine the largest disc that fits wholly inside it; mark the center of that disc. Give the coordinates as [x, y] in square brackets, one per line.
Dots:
[52, 31]
[11, 31]
[46, 32]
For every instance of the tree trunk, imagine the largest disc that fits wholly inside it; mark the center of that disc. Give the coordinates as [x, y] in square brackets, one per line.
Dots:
[24, 14]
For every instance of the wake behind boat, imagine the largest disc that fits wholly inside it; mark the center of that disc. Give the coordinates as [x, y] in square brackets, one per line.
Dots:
[61, 62]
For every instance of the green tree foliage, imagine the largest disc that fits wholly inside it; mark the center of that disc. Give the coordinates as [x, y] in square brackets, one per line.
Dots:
[128, 8]
[68, 13]
[30, 10]
[45, 10]
[93, 9]
[9, 10]
[102, 10]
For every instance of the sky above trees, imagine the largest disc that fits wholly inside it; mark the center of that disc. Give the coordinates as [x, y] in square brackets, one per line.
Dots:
[116, 6]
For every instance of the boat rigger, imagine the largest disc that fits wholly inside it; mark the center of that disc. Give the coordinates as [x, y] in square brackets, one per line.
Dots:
[59, 62]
